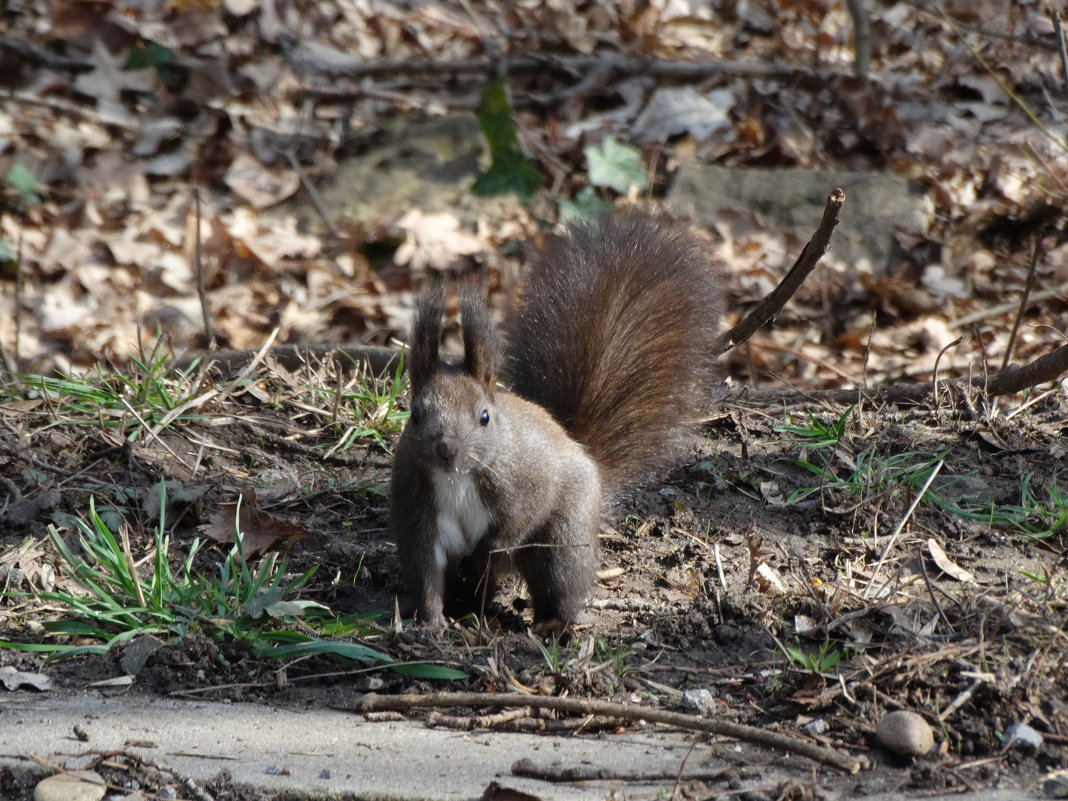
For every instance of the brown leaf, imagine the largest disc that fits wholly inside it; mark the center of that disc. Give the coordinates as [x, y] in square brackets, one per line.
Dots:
[259, 530]
[261, 186]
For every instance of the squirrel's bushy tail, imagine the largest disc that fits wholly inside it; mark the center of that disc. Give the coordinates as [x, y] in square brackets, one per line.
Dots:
[611, 333]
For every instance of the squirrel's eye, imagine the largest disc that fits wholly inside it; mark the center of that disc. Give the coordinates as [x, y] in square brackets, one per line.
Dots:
[483, 417]
[416, 414]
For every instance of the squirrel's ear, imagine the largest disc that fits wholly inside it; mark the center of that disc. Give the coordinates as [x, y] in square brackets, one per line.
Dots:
[426, 337]
[481, 349]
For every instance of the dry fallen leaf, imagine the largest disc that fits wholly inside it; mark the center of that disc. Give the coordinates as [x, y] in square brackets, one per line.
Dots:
[259, 530]
[768, 580]
[433, 240]
[947, 565]
[261, 186]
[108, 79]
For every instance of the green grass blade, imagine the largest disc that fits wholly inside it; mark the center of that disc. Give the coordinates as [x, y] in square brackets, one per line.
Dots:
[429, 672]
[303, 645]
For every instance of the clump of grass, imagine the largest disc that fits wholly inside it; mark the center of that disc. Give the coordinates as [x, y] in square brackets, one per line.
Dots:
[151, 395]
[825, 659]
[371, 402]
[826, 455]
[114, 599]
[817, 434]
[559, 656]
[1038, 515]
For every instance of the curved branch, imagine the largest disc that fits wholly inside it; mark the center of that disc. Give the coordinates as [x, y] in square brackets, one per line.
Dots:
[771, 305]
[1013, 379]
[371, 702]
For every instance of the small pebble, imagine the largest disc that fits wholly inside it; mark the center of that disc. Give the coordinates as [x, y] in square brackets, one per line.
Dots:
[325, 773]
[1055, 785]
[1020, 735]
[701, 701]
[904, 733]
[77, 785]
[817, 726]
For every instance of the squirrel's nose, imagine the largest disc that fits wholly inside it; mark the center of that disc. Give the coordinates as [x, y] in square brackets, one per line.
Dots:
[446, 452]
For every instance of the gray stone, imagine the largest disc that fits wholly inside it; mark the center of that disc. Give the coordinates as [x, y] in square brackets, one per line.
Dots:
[1055, 784]
[904, 733]
[701, 701]
[425, 164]
[78, 785]
[876, 205]
[1020, 735]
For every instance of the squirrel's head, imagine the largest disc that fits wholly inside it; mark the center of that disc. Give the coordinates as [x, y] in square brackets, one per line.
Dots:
[453, 416]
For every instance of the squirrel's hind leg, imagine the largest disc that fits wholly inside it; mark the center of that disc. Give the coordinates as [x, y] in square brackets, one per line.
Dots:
[559, 565]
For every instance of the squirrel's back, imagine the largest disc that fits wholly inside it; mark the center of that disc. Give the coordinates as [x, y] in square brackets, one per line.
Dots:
[611, 333]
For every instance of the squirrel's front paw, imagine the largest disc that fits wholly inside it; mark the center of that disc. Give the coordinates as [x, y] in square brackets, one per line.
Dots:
[554, 627]
[430, 618]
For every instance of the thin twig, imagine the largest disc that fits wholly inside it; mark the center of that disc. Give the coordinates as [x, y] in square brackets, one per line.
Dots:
[1036, 254]
[1015, 379]
[571, 65]
[934, 372]
[556, 772]
[102, 116]
[960, 700]
[867, 350]
[29, 53]
[858, 10]
[773, 303]
[1059, 32]
[313, 193]
[931, 592]
[20, 287]
[1004, 308]
[901, 525]
[682, 767]
[1007, 382]
[153, 434]
[202, 293]
[373, 702]
[252, 365]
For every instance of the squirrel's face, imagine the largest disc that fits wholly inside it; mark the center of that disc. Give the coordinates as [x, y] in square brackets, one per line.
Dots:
[453, 424]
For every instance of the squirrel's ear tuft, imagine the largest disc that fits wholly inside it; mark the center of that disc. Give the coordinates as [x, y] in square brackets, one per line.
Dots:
[482, 352]
[426, 337]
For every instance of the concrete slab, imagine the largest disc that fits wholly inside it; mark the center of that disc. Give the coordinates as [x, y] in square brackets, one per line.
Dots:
[324, 752]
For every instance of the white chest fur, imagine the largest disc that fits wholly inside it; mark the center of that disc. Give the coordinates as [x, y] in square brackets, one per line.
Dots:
[462, 516]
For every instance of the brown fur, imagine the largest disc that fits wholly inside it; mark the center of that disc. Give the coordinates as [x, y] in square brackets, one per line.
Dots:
[611, 336]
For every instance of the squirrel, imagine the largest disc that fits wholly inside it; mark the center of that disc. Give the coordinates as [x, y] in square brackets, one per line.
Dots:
[608, 362]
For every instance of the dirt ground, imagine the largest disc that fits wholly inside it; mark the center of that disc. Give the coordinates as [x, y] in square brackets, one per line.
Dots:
[711, 578]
